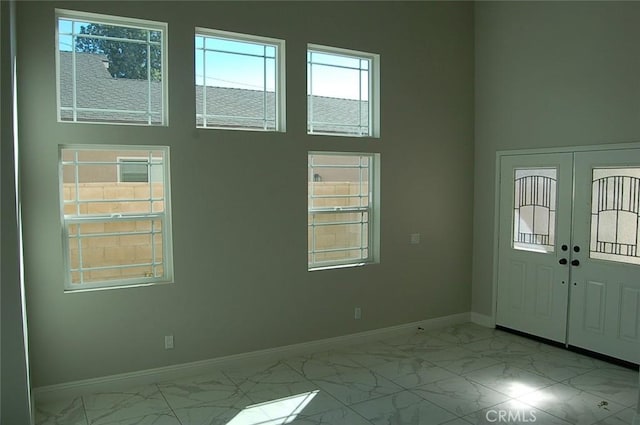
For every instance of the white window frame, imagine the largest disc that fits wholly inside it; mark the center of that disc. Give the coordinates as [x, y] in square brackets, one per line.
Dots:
[372, 209]
[373, 95]
[78, 219]
[280, 86]
[116, 21]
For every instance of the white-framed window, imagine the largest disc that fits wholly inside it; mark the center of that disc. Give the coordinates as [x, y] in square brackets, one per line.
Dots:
[137, 170]
[239, 81]
[110, 69]
[115, 232]
[343, 209]
[342, 92]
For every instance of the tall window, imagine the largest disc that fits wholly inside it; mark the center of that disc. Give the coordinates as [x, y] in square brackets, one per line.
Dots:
[342, 92]
[342, 213]
[110, 69]
[117, 231]
[239, 81]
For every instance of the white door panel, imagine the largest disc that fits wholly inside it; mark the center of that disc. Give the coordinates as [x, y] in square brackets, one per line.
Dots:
[569, 249]
[535, 216]
[606, 226]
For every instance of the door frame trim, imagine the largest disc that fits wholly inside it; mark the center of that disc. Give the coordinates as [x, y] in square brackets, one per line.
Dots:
[496, 207]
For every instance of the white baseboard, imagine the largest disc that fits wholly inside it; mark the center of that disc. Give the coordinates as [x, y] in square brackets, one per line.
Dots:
[482, 320]
[150, 376]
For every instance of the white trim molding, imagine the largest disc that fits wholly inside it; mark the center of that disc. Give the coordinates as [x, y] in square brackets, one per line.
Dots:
[150, 376]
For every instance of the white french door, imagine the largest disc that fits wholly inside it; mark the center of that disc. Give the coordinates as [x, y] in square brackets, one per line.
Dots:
[569, 249]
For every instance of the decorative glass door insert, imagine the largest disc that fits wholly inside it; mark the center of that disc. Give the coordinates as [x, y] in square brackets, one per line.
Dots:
[615, 215]
[534, 209]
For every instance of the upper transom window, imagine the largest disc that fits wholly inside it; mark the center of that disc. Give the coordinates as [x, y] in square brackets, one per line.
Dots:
[110, 69]
[342, 92]
[238, 81]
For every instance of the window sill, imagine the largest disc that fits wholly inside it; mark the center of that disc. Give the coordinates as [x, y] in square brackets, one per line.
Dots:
[340, 266]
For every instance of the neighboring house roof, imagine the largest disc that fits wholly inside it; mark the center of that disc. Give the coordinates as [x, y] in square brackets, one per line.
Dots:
[97, 89]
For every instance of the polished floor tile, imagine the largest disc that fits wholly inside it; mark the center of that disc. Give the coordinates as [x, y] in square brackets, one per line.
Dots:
[106, 408]
[460, 375]
[509, 380]
[624, 417]
[460, 395]
[411, 373]
[403, 408]
[570, 404]
[354, 387]
[215, 388]
[64, 412]
[342, 416]
[613, 383]
[514, 413]
[325, 363]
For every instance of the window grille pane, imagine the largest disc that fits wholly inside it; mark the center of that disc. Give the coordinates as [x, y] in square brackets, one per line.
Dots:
[615, 215]
[115, 230]
[339, 209]
[110, 73]
[338, 93]
[534, 213]
[236, 83]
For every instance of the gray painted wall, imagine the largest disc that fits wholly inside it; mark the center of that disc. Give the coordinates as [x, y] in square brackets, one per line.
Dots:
[548, 74]
[239, 198]
[15, 404]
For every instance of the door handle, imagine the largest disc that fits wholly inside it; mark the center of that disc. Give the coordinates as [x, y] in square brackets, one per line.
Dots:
[564, 247]
[576, 248]
[563, 261]
[575, 262]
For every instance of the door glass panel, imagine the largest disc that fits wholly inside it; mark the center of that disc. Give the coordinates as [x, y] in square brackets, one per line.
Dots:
[534, 209]
[615, 202]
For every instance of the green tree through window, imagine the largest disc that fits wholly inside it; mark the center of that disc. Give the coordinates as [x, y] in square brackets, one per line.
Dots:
[126, 49]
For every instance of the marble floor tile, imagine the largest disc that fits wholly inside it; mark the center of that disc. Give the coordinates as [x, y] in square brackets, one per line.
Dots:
[459, 360]
[624, 417]
[152, 419]
[354, 387]
[460, 395]
[64, 412]
[206, 415]
[246, 375]
[503, 349]
[612, 383]
[422, 378]
[214, 389]
[320, 401]
[411, 373]
[570, 404]
[403, 408]
[557, 368]
[463, 333]
[342, 416]
[279, 411]
[514, 413]
[458, 421]
[371, 354]
[509, 380]
[416, 343]
[103, 408]
[533, 344]
[324, 363]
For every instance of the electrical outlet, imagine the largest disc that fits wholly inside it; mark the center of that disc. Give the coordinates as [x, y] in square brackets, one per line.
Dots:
[357, 313]
[168, 342]
[415, 238]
